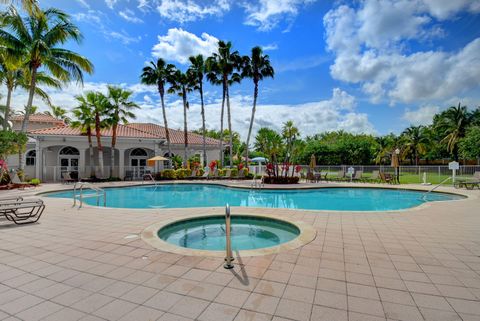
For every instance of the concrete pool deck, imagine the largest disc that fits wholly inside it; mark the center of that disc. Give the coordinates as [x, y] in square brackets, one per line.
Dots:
[90, 264]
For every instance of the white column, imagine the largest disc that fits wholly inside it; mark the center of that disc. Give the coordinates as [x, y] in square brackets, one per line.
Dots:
[38, 159]
[81, 163]
[121, 163]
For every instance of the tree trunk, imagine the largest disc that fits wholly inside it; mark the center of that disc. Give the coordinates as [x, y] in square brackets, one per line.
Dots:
[7, 108]
[99, 143]
[28, 108]
[185, 130]
[161, 90]
[230, 128]
[90, 151]
[203, 127]
[112, 152]
[221, 124]
[254, 108]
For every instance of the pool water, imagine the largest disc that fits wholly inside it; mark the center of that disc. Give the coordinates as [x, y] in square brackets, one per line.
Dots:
[247, 233]
[205, 195]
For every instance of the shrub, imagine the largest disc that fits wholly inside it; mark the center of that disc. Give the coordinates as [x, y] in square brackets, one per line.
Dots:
[221, 172]
[168, 174]
[234, 172]
[181, 173]
[280, 180]
[157, 176]
[200, 172]
[113, 179]
[35, 181]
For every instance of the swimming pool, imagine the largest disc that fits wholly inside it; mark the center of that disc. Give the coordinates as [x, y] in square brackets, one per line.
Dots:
[209, 195]
[247, 233]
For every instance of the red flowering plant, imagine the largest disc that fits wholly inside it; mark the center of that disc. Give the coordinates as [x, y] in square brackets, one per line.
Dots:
[298, 168]
[212, 165]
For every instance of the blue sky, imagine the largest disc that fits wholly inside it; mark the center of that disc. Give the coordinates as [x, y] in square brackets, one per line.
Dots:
[363, 66]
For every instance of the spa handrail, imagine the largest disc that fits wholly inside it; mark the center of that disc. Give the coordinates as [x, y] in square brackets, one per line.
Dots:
[435, 187]
[228, 256]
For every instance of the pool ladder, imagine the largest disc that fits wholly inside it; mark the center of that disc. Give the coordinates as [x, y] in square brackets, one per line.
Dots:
[78, 188]
[228, 255]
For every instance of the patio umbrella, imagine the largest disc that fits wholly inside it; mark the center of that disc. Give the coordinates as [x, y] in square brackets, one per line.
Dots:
[259, 160]
[394, 163]
[313, 162]
[153, 161]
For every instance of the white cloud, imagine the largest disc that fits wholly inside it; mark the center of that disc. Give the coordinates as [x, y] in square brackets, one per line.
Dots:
[335, 113]
[443, 9]
[300, 63]
[122, 35]
[84, 3]
[178, 44]
[370, 44]
[267, 14]
[270, 47]
[111, 3]
[130, 16]
[189, 10]
[421, 116]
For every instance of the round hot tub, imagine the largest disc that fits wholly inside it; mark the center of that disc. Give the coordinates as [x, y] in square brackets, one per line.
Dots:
[247, 232]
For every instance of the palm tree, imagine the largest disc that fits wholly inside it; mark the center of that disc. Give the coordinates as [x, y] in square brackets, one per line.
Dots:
[222, 66]
[290, 134]
[85, 121]
[59, 113]
[256, 67]
[415, 141]
[14, 75]
[158, 73]
[181, 84]
[452, 124]
[119, 111]
[269, 142]
[37, 39]
[197, 70]
[98, 105]
[30, 6]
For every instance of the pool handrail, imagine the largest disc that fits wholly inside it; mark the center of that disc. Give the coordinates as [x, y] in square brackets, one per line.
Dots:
[228, 255]
[99, 192]
[435, 187]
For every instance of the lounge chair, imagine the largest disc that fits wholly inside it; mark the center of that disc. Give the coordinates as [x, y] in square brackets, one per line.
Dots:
[228, 174]
[128, 176]
[340, 176]
[470, 183]
[357, 177]
[374, 178]
[213, 175]
[310, 177]
[66, 178]
[22, 211]
[193, 175]
[241, 174]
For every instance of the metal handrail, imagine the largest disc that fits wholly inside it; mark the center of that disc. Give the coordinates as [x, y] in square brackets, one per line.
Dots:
[151, 178]
[228, 256]
[99, 192]
[435, 187]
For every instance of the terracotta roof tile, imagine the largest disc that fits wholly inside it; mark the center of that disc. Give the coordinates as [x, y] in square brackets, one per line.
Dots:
[176, 136]
[38, 118]
[122, 131]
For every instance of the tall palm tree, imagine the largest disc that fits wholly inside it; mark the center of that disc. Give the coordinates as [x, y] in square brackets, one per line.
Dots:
[197, 69]
[223, 66]
[256, 67]
[269, 142]
[119, 111]
[38, 39]
[452, 124]
[30, 6]
[85, 121]
[14, 75]
[290, 134]
[181, 83]
[98, 104]
[415, 141]
[157, 73]
[59, 113]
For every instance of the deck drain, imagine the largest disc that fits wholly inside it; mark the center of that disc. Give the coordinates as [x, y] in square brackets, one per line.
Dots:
[144, 257]
[131, 236]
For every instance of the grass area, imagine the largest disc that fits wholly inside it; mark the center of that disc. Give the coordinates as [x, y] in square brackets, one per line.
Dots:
[408, 178]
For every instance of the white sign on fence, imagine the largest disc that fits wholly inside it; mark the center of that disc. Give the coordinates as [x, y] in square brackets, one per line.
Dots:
[453, 166]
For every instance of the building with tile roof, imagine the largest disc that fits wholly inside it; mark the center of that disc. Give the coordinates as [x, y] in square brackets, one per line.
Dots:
[55, 148]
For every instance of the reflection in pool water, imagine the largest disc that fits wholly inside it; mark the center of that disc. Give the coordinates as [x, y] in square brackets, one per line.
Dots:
[203, 195]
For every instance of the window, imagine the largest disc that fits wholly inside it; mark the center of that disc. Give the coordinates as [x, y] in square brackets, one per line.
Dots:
[69, 151]
[138, 152]
[30, 158]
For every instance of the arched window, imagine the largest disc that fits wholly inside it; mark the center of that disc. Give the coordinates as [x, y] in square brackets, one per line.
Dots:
[138, 152]
[168, 155]
[69, 151]
[30, 158]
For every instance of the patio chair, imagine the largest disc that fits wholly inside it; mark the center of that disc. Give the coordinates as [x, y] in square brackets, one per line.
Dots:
[22, 211]
[66, 178]
[386, 178]
[128, 176]
[470, 183]
[375, 178]
[193, 175]
[310, 177]
[213, 175]
[205, 175]
[228, 174]
[241, 174]
[357, 177]
[340, 176]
